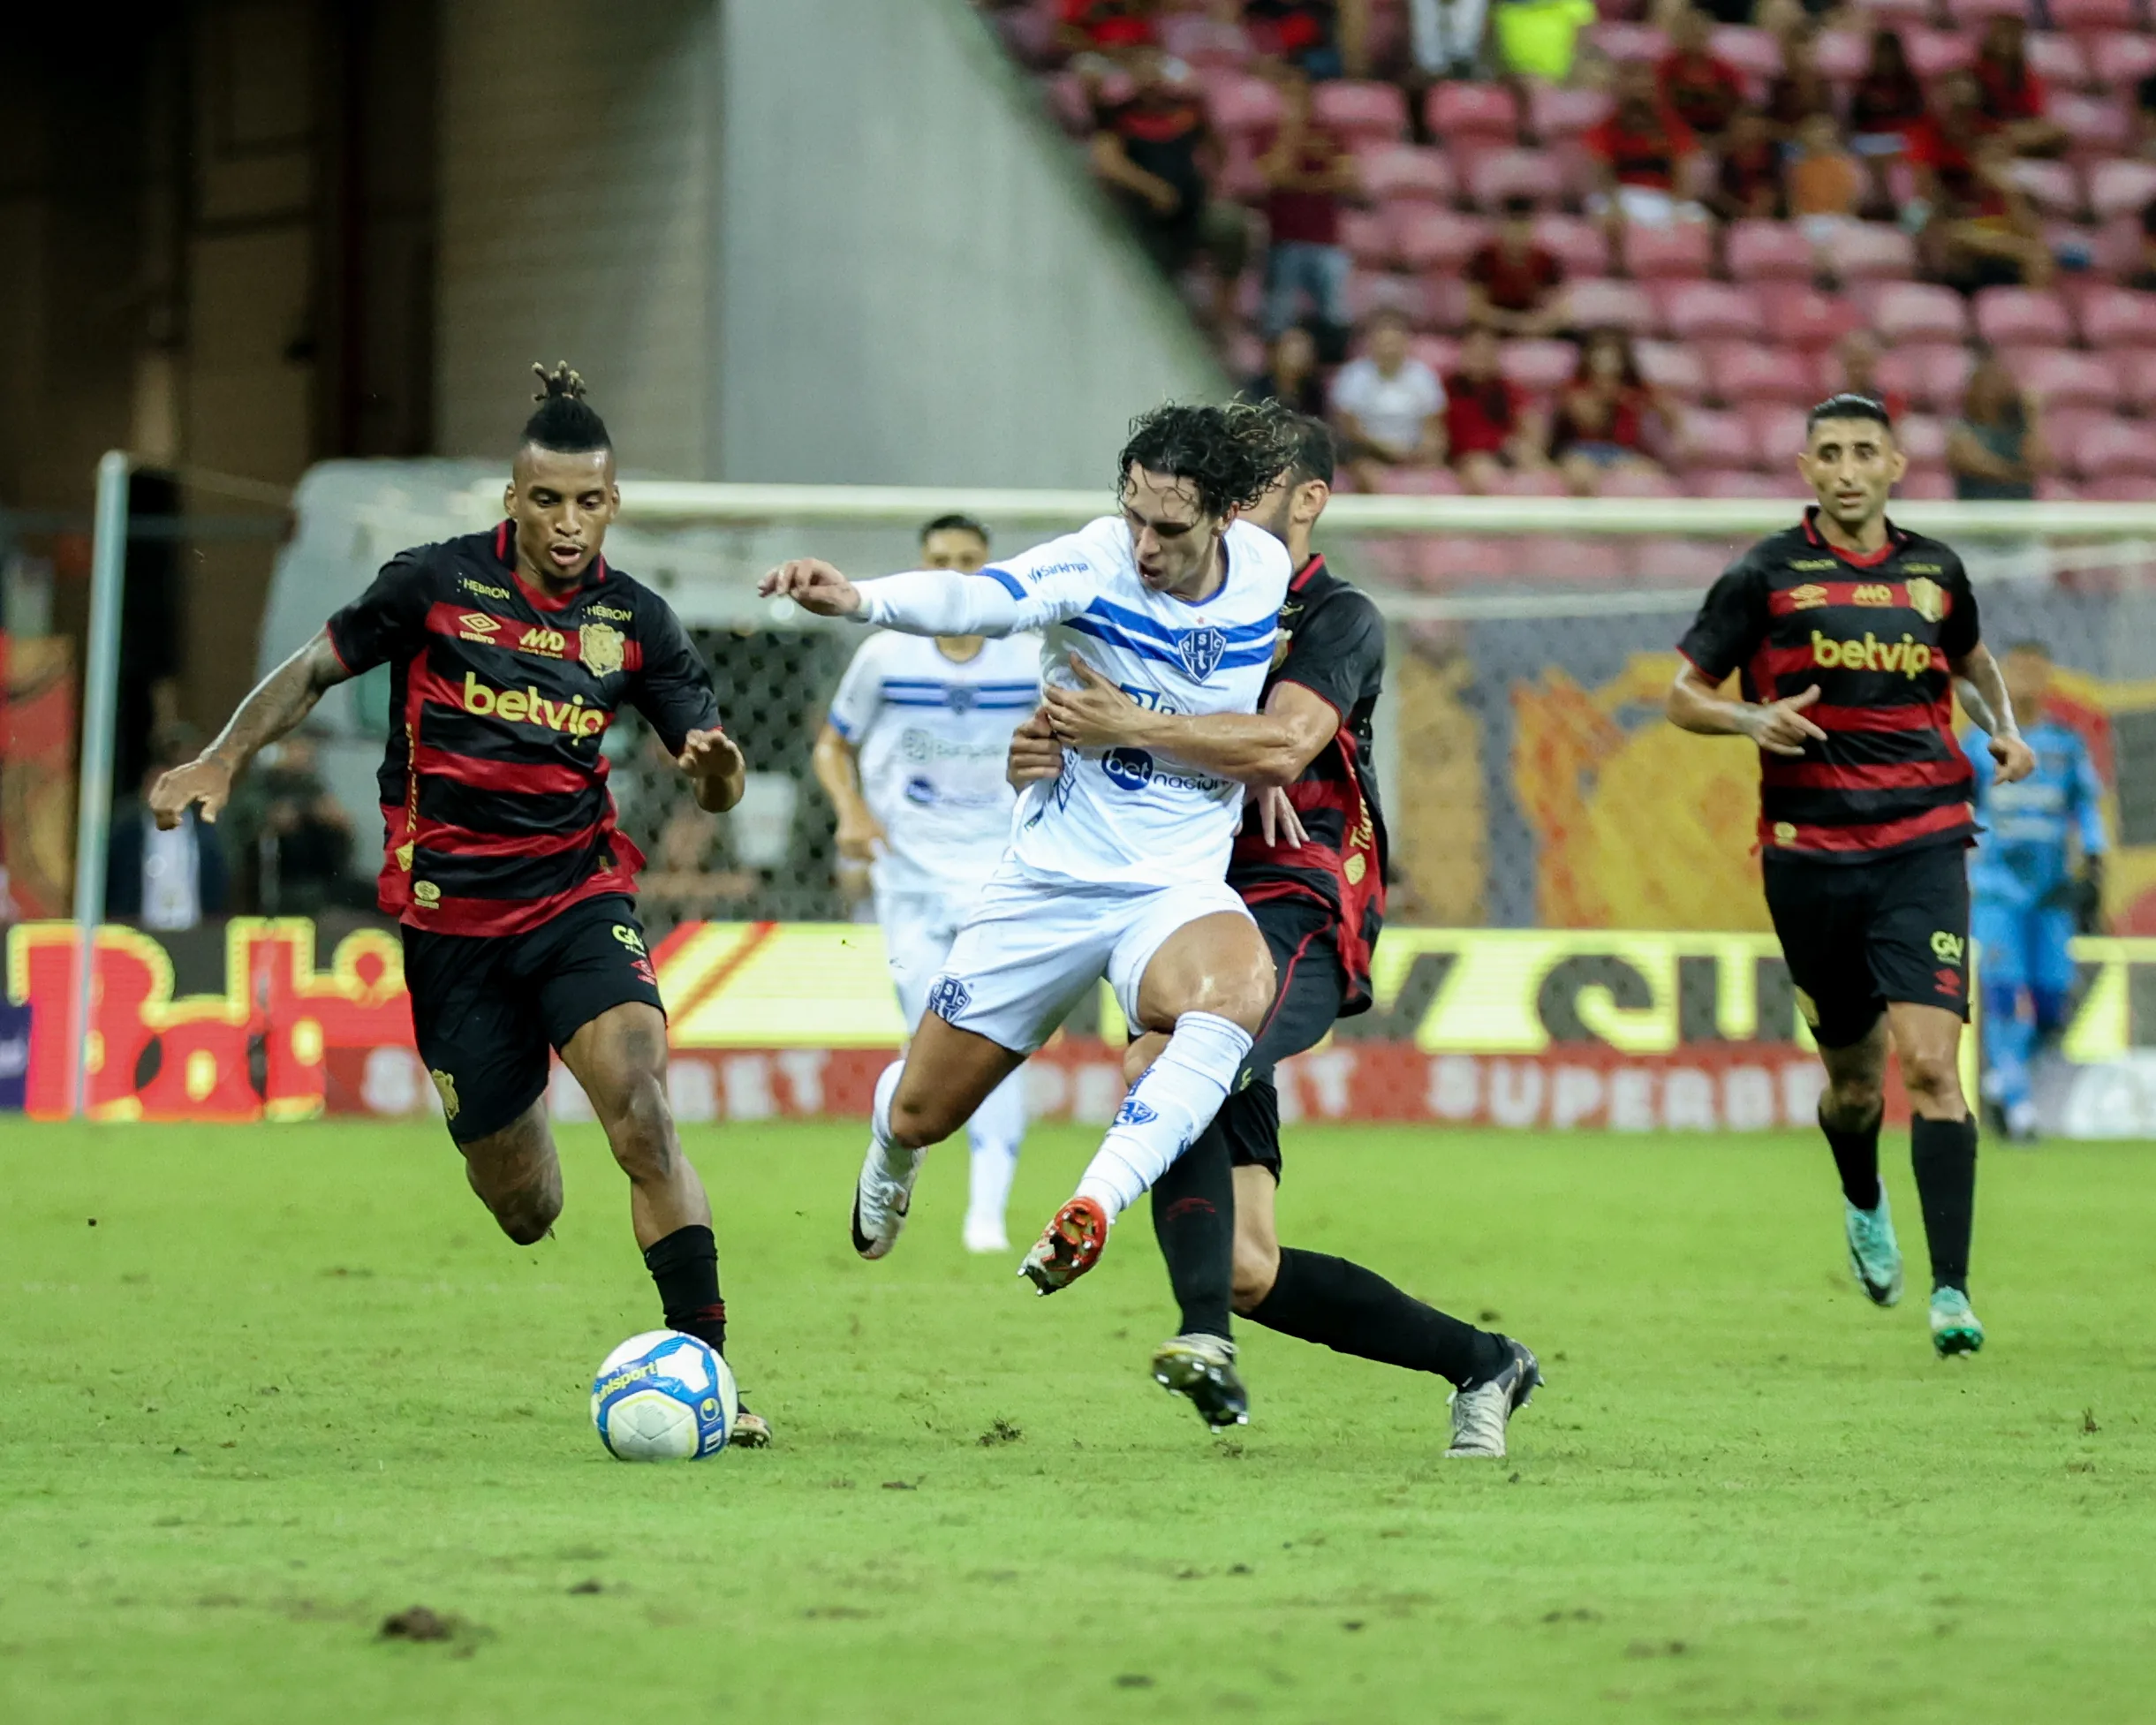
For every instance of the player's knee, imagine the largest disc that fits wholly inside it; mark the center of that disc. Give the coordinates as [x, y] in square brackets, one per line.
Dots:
[1852, 1099]
[526, 1216]
[640, 1123]
[1933, 1078]
[1252, 1273]
[1241, 997]
[917, 1122]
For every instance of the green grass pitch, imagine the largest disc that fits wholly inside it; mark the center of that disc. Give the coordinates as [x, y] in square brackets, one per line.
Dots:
[291, 1381]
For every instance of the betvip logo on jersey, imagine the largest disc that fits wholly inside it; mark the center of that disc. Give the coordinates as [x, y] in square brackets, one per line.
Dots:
[1200, 651]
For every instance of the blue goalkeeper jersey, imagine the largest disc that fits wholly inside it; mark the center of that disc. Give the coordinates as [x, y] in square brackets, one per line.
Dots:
[2025, 855]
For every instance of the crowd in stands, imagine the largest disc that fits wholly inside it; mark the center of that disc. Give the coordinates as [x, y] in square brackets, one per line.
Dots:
[1533, 247]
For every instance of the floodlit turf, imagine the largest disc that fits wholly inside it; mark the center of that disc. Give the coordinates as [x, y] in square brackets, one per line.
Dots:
[292, 1381]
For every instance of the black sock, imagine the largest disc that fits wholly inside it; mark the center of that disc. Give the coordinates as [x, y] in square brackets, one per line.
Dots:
[686, 1267]
[1856, 1158]
[1194, 1218]
[1944, 1153]
[1355, 1311]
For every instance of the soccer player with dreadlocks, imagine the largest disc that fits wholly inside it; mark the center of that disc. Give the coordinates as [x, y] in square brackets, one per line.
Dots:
[1116, 865]
[509, 652]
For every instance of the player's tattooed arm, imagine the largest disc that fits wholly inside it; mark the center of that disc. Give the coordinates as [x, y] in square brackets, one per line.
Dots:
[1993, 709]
[1264, 749]
[279, 703]
[1779, 727]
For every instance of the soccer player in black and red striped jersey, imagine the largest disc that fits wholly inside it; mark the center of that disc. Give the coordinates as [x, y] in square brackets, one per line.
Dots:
[509, 652]
[1848, 633]
[1310, 863]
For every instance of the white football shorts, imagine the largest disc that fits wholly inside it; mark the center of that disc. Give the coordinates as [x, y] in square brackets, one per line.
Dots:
[917, 930]
[1029, 950]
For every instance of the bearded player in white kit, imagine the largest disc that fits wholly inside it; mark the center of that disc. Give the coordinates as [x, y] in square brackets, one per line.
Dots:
[912, 757]
[1116, 865]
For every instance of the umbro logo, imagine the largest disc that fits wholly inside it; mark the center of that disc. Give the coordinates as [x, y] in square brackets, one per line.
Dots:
[479, 624]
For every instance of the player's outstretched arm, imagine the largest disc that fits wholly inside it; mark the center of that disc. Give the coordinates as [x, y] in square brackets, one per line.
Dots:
[1779, 727]
[1980, 671]
[1264, 749]
[921, 601]
[280, 700]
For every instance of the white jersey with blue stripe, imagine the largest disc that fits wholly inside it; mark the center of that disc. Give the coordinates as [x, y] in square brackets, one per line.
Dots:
[1120, 816]
[931, 735]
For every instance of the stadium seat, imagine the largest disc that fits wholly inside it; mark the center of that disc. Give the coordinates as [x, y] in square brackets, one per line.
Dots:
[2059, 60]
[1678, 563]
[1556, 113]
[1674, 367]
[1972, 15]
[2061, 377]
[1922, 439]
[1547, 483]
[1444, 561]
[1582, 246]
[1777, 433]
[1751, 50]
[1897, 13]
[2118, 317]
[1394, 173]
[1841, 56]
[1802, 316]
[1357, 108]
[2055, 187]
[1464, 113]
[2053, 489]
[1417, 483]
[2115, 249]
[1495, 176]
[1683, 251]
[1926, 485]
[1441, 353]
[1701, 311]
[2107, 447]
[1240, 102]
[1627, 482]
[2122, 489]
[1539, 366]
[2083, 15]
[1916, 312]
[1598, 304]
[1933, 374]
[2019, 317]
[1934, 53]
[1747, 371]
[1621, 41]
[1768, 252]
[1426, 237]
[1729, 482]
[2121, 59]
[1711, 437]
[2122, 187]
[1870, 251]
[2094, 123]
[2137, 373]
[1366, 235]
[1378, 290]
[1571, 562]
[1205, 42]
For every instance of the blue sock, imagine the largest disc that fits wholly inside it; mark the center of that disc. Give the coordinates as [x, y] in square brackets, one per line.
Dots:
[2050, 1004]
[2009, 1040]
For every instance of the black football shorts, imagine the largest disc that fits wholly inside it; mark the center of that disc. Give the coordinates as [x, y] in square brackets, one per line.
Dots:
[1310, 983]
[486, 1008]
[1858, 934]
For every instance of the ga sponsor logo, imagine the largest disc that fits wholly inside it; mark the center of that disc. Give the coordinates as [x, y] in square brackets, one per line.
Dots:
[1947, 948]
[1807, 597]
[1873, 592]
[1908, 655]
[528, 705]
[628, 937]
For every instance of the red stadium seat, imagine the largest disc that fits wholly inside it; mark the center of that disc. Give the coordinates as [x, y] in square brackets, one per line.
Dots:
[2109, 448]
[1394, 173]
[2059, 60]
[1582, 246]
[1922, 439]
[1366, 235]
[1701, 311]
[1926, 485]
[1870, 251]
[1597, 304]
[1674, 367]
[1768, 252]
[1684, 251]
[1627, 482]
[1728, 482]
[1417, 483]
[1241, 102]
[2118, 317]
[1708, 436]
[1464, 113]
[1571, 562]
[2115, 249]
[1752, 52]
[2019, 317]
[1539, 366]
[1931, 375]
[1556, 113]
[1679, 562]
[1375, 289]
[2122, 489]
[1441, 353]
[2052, 489]
[2095, 123]
[2122, 187]
[1629, 41]
[1841, 56]
[2081, 16]
[2055, 187]
[1802, 316]
[1777, 433]
[1495, 176]
[1916, 312]
[2137, 378]
[1746, 372]
[1547, 483]
[2061, 377]
[1426, 238]
[2121, 59]
[1451, 560]
[1934, 53]
[1357, 109]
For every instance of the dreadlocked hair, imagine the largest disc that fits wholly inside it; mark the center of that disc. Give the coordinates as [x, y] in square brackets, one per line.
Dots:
[563, 421]
[1230, 455]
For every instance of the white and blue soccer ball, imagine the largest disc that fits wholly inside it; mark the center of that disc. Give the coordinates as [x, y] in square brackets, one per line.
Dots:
[663, 1396]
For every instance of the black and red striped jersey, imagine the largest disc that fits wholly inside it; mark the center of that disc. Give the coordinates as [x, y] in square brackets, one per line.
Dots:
[1878, 635]
[495, 803]
[1332, 642]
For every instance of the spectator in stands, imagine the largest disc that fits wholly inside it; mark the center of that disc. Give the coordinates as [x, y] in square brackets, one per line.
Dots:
[1324, 38]
[1980, 230]
[1514, 285]
[2142, 274]
[1105, 28]
[1306, 170]
[1388, 406]
[1645, 157]
[1995, 451]
[1156, 150]
[1799, 90]
[1696, 84]
[1824, 182]
[1445, 36]
[1539, 38]
[306, 837]
[1885, 105]
[1748, 177]
[168, 881]
[1489, 425]
[2013, 96]
[1290, 374]
[1606, 415]
[1857, 354]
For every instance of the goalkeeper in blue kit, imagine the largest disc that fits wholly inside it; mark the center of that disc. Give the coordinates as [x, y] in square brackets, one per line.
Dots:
[2036, 880]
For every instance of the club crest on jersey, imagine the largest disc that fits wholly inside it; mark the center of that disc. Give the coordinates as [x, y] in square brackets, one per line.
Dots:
[600, 647]
[948, 997]
[1927, 599]
[1200, 651]
[960, 697]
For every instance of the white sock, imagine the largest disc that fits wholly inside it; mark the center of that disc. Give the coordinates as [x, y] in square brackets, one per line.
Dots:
[998, 1127]
[1174, 1100]
[898, 1161]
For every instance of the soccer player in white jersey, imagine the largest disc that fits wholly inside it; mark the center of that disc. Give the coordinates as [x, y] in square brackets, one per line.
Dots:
[1116, 865]
[912, 756]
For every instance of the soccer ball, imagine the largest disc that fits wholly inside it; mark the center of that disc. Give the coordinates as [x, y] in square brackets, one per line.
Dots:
[663, 1396]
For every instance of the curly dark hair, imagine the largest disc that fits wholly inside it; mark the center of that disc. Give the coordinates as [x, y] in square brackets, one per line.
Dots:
[1230, 455]
[564, 421]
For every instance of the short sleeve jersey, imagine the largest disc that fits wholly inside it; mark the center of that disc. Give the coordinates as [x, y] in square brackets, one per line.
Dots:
[1877, 636]
[932, 734]
[493, 786]
[1333, 644]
